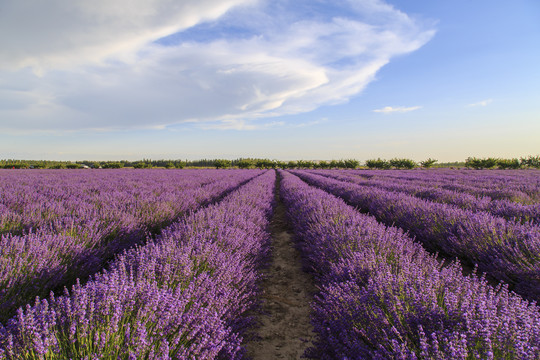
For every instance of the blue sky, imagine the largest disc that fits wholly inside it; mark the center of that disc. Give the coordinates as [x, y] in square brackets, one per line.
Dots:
[276, 79]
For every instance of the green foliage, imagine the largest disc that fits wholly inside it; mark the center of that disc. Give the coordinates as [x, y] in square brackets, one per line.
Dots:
[245, 163]
[378, 164]
[402, 163]
[305, 164]
[508, 163]
[291, 165]
[350, 164]
[142, 165]
[321, 164]
[113, 165]
[479, 164]
[58, 166]
[531, 161]
[265, 164]
[333, 164]
[15, 165]
[426, 164]
[222, 163]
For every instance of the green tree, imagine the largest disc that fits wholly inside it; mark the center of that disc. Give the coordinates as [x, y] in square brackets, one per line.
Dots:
[305, 164]
[479, 164]
[244, 163]
[378, 164]
[350, 163]
[531, 161]
[426, 164]
[333, 164]
[179, 164]
[508, 163]
[112, 165]
[222, 163]
[57, 166]
[292, 164]
[402, 163]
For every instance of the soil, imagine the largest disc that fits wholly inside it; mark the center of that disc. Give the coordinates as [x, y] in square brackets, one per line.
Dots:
[285, 331]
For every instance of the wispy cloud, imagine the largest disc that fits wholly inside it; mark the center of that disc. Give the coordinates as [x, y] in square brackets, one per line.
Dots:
[399, 109]
[226, 62]
[239, 125]
[481, 103]
[309, 123]
[63, 34]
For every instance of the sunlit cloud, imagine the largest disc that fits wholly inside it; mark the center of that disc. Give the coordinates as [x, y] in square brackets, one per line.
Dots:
[221, 64]
[481, 103]
[399, 109]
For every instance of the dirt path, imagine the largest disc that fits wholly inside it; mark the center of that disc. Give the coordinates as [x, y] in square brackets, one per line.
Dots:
[285, 330]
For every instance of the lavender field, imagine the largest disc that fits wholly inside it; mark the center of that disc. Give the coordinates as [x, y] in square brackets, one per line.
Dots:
[170, 264]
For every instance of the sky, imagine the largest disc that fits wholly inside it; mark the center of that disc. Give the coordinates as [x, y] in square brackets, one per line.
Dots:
[277, 79]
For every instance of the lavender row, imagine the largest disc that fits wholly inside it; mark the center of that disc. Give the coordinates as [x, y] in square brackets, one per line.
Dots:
[506, 250]
[384, 297]
[486, 178]
[515, 185]
[36, 263]
[507, 209]
[183, 296]
[70, 201]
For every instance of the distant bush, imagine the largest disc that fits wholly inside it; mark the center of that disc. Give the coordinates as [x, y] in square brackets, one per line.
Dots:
[16, 165]
[73, 166]
[508, 164]
[291, 165]
[305, 164]
[378, 164]
[222, 163]
[112, 165]
[479, 164]
[265, 164]
[402, 163]
[245, 163]
[350, 164]
[426, 164]
[142, 165]
[531, 161]
[321, 164]
[58, 166]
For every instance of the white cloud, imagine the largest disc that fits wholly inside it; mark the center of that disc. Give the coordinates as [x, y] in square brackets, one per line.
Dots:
[99, 69]
[481, 103]
[65, 33]
[399, 109]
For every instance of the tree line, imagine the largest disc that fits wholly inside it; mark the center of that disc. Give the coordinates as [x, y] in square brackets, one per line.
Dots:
[251, 163]
[490, 163]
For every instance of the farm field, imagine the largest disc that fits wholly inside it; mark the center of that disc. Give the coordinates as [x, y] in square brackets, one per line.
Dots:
[187, 264]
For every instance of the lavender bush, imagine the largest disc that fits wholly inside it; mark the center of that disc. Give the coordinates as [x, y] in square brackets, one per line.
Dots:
[508, 209]
[517, 185]
[184, 295]
[83, 222]
[504, 249]
[384, 297]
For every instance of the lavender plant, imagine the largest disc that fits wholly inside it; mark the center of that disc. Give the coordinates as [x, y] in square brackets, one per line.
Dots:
[505, 208]
[183, 295]
[75, 242]
[384, 297]
[516, 185]
[504, 249]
